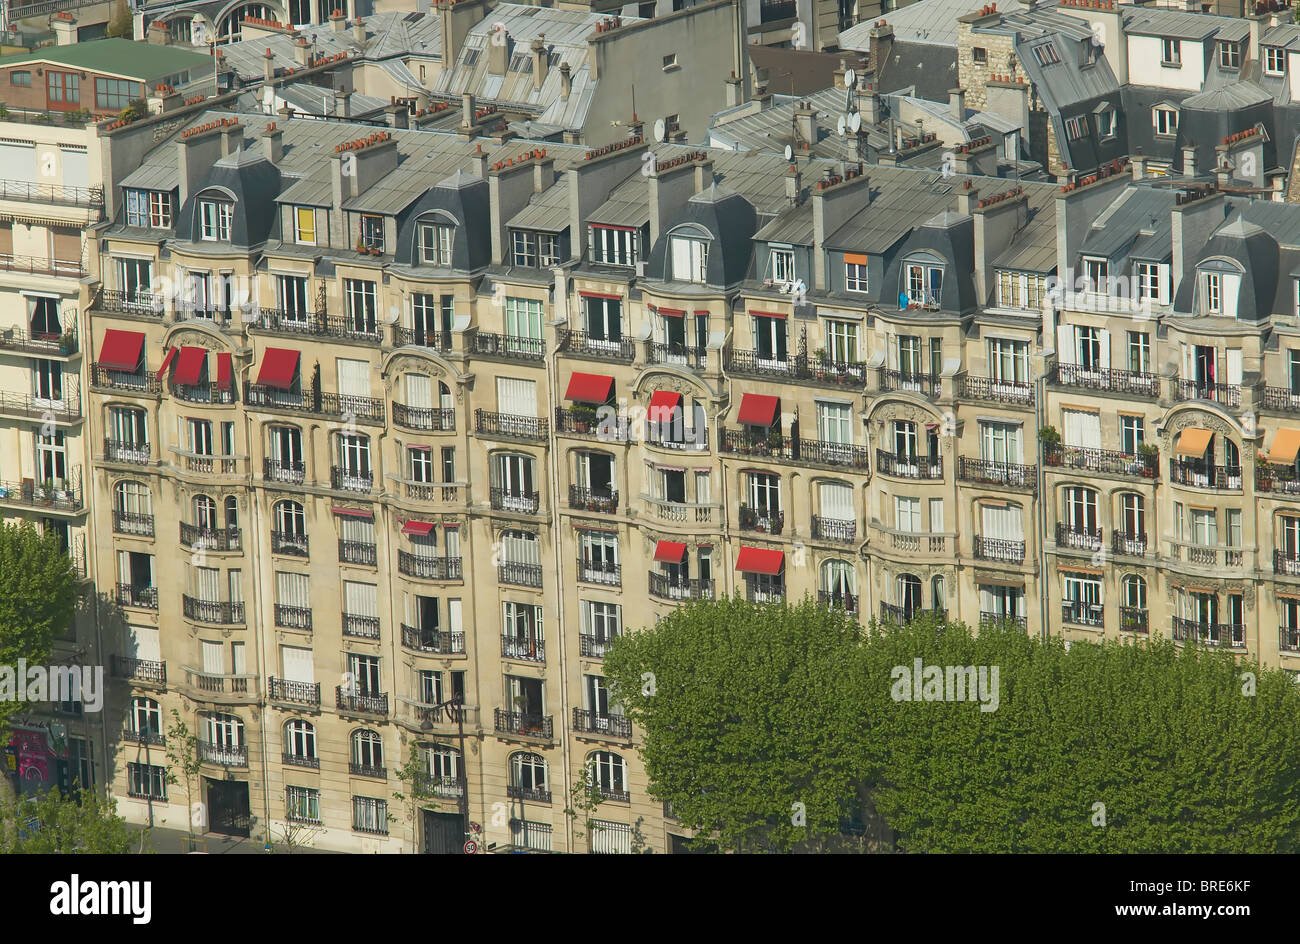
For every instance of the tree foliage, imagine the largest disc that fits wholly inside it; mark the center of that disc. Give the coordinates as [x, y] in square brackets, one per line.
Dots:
[119, 24]
[47, 823]
[1112, 747]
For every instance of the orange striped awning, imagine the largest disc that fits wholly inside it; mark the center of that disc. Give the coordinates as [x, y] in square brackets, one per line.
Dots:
[1193, 441]
[1286, 444]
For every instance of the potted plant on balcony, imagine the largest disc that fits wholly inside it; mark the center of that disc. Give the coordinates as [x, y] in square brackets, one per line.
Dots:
[584, 417]
[46, 492]
[67, 342]
[1150, 455]
[1051, 440]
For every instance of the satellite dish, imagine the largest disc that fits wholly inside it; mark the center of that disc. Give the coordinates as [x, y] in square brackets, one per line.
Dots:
[660, 128]
[789, 153]
[855, 122]
[841, 125]
[849, 78]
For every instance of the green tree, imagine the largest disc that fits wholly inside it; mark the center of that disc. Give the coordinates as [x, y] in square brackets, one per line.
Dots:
[47, 823]
[752, 724]
[119, 24]
[183, 756]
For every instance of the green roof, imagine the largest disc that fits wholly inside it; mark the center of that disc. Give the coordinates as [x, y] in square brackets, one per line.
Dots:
[124, 57]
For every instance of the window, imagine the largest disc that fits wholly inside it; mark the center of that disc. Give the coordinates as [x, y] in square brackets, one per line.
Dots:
[160, 209]
[354, 461]
[370, 815]
[670, 62]
[1165, 120]
[765, 494]
[924, 285]
[367, 750]
[146, 716]
[146, 781]
[1148, 280]
[600, 623]
[522, 632]
[835, 423]
[304, 226]
[300, 739]
[1076, 128]
[1082, 600]
[1274, 60]
[855, 275]
[1171, 52]
[1229, 55]
[116, 94]
[1106, 121]
[613, 245]
[1131, 434]
[1009, 360]
[690, 259]
[1046, 54]
[1097, 274]
[20, 77]
[435, 240]
[214, 220]
[528, 775]
[608, 774]
[534, 250]
[1021, 290]
[1000, 442]
[1081, 510]
[360, 298]
[1139, 352]
[302, 805]
[980, 56]
[64, 88]
[371, 233]
[1212, 293]
[842, 341]
[783, 266]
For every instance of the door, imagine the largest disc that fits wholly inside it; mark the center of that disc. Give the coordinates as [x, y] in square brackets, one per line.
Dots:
[228, 812]
[444, 833]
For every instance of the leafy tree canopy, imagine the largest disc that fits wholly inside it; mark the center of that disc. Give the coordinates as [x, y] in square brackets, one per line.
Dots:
[47, 823]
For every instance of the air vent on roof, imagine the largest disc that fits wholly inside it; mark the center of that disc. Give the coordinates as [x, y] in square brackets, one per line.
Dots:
[471, 56]
[528, 11]
[946, 188]
[412, 17]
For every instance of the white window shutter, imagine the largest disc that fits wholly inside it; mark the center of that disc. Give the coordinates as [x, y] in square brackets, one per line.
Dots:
[454, 615]
[1065, 344]
[298, 665]
[419, 391]
[1103, 340]
[213, 658]
[353, 377]
[145, 644]
[1165, 278]
[1234, 366]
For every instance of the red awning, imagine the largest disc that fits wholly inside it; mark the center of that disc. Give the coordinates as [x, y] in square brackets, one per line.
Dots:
[757, 409]
[352, 512]
[189, 365]
[167, 359]
[757, 560]
[671, 312]
[662, 404]
[589, 388]
[670, 551]
[223, 371]
[599, 295]
[278, 368]
[420, 528]
[121, 349]
[767, 314]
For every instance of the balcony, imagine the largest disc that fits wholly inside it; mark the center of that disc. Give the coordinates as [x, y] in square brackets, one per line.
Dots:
[1127, 382]
[519, 574]
[917, 542]
[1277, 480]
[300, 760]
[116, 450]
[209, 393]
[524, 503]
[239, 686]
[1077, 538]
[360, 627]
[1206, 555]
[994, 620]
[1133, 619]
[212, 611]
[351, 480]
[926, 385]
[426, 418]
[207, 464]
[1282, 399]
[673, 435]
[292, 543]
[358, 552]
[664, 587]
[523, 648]
[681, 512]
[133, 523]
[772, 591]
[847, 602]
[367, 770]
[583, 343]
[1005, 474]
[66, 497]
[41, 265]
[439, 341]
[607, 573]
[290, 473]
[603, 500]
[225, 755]
[139, 304]
[429, 568]
[1286, 563]
[1131, 543]
[591, 722]
[594, 646]
[997, 549]
[318, 324]
[892, 613]
[1289, 639]
[1222, 394]
[139, 670]
[449, 788]
[1205, 475]
[1081, 613]
[144, 382]
[823, 452]
[373, 704]
[145, 738]
[528, 794]
[146, 598]
[823, 370]
[679, 355]
[1016, 393]
[38, 343]
[1102, 460]
[292, 617]
[65, 409]
[430, 492]
[210, 539]
[431, 640]
[516, 722]
[316, 403]
[508, 346]
[761, 520]
[1218, 635]
[53, 194]
[595, 424]
[909, 467]
[510, 426]
[744, 442]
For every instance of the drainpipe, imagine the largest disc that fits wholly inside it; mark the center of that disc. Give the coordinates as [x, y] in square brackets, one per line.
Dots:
[725, 519]
[1044, 585]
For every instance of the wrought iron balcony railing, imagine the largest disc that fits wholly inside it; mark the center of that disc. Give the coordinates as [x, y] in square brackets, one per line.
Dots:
[528, 794]
[432, 640]
[762, 520]
[524, 503]
[1222, 394]
[680, 355]
[1205, 475]
[429, 568]
[599, 571]
[1082, 613]
[583, 342]
[351, 479]
[581, 421]
[290, 473]
[519, 573]
[297, 693]
[1225, 635]
[212, 611]
[664, 587]
[1126, 382]
[510, 425]
[292, 617]
[292, 543]
[132, 522]
[996, 549]
[143, 597]
[117, 450]
[508, 346]
[437, 419]
[226, 755]
[896, 613]
[1102, 460]
[358, 552]
[523, 648]
[1286, 563]
[847, 602]
[593, 645]
[516, 722]
[139, 670]
[144, 382]
[989, 472]
[1077, 537]
[372, 704]
[998, 391]
[211, 539]
[592, 722]
[993, 620]
[422, 337]
[42, 343]
[603, 500]
[909, 467]
[1133, 619]
[360, 627]
[1132, 543]
[927, 385]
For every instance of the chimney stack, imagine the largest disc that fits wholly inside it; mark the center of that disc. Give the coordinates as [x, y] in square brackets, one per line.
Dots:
[734, 92]
[359, 31]
[1189, 160]
[157, 34]
[338, 22]
[566, 81]
[805, 123]
[540, 61]
[967, 198]
[273, 143]
[232, 138]
[268, 64]
[1138, 164]
[396, 115]
[342, 104]
[498, 50]
[467, 110]
[301, 51]
[957, 104]
[479, 162]
[868, 103]
[793, 185]
[65, 29]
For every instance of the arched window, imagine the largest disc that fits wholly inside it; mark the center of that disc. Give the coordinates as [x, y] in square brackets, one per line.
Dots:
[367, 752]
[528, 777]
[225, 743]
[289, 534]
[1081, 529]
[231, 24]
[938, 594]
[908, 590]
[1231, 459]
[353, 472]
[608, 773]
[839, 586]
[232, 513]
[212, 220]
[434, 238]
[1133, 610]
[132, 509]
[445, 401]
[205, 513]
[146, 719]
[300, 740]
[442, 768]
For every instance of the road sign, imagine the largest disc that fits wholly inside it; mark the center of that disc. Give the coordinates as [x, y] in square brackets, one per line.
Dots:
[471, 847]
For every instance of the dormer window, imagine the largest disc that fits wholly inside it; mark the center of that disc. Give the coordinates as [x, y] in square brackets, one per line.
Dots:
[1106, 123]
[783, 266]
[534, 250]
[1274, 60]
[613, 245]
[1212, 293]
[151, 209]
[1097, 273]
[304, 226]
[1165, 120]
[1171, 52]
[1046, 54]
[690, 259]
[924, 285]
[435, 243]
[855, 272]
[1218, 283]
[372, 235]
[1076, 127]
[1229, 55]
[214, 220]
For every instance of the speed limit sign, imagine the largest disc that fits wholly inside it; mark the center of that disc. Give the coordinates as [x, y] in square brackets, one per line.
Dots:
[471, 847]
